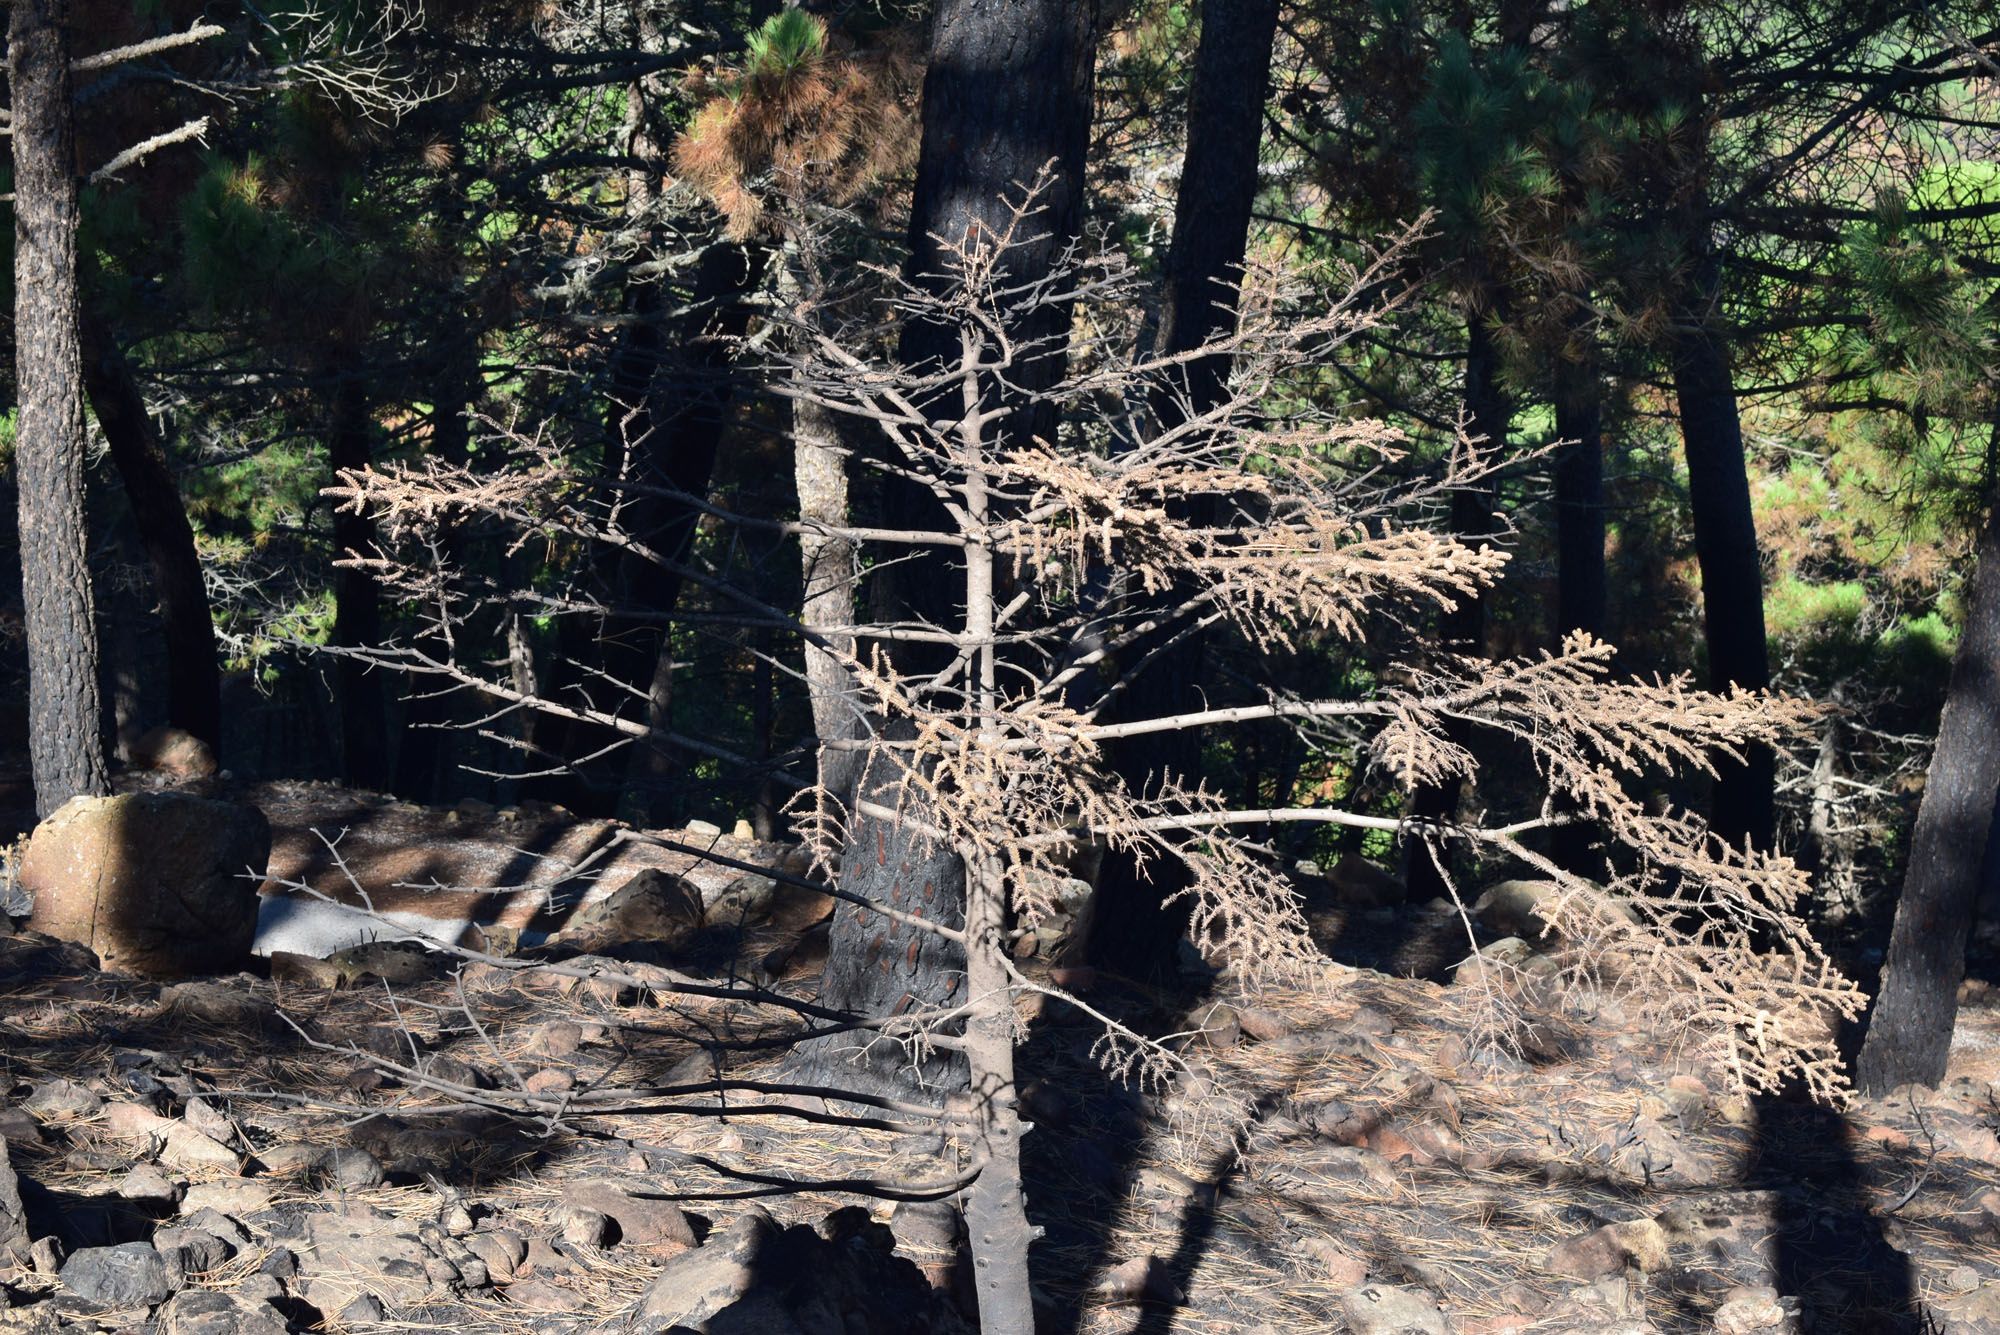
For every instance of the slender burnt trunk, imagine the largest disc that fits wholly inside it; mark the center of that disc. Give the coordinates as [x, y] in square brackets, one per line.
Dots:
[1489, 419]
[357, 599]
[423, 756]
[65, 742]
[1140, 917]
[685, 414]
[1579, 490]
[1909, 1033]
[194, 676]
[1725, 536]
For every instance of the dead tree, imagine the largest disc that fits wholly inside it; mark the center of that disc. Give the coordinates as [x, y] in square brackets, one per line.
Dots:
[1300, 535]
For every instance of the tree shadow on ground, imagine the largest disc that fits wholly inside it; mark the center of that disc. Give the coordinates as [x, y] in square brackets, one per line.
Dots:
[1829, 1251]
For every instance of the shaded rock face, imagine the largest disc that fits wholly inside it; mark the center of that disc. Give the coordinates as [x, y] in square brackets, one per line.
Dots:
[13, 1216]
[756, 1279]
[159, 884]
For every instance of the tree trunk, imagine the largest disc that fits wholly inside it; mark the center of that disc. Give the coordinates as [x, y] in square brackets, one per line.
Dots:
[819, 465]
[1140, 917]
[357, 600]
[1580, 574]
[1007, 91]
[1909, 1033]
[194, 676]
[65, 742]
[686, 411]
[1489, 419]
[1725, 536]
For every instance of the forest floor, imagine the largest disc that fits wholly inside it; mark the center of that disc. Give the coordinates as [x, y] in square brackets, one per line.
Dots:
[1384, 1151]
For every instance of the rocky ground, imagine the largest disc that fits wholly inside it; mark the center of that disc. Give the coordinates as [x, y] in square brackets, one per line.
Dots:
[316, 1144]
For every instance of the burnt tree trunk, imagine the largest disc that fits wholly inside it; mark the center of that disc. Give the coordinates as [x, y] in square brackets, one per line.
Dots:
[65, 741]
[357, 599]
[1007, 91]
[194, 676]
[1725, 538]
[1579, 491]
[1909, 1033]
[1139, 916]
[1489, 418]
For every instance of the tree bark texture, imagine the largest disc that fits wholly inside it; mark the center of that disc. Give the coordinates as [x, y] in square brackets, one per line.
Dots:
[1725, 537]
[1007, 90]
[194, 675]
[65, 740]
[827, 564]
[1909, 1033]
[1138, 920]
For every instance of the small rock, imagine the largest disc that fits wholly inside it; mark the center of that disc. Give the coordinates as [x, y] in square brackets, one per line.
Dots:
[51, 1099]
[502, 1250]
[1386, 1309]
[15, 1247]
[458, 1221]
[538, 1296]
[361, 1310]
[235, 1196]
[641, 1221]
[694, 1286]
[585, 1228]
[703, 829]
[1607, 1250]
[219, 1004]
[129, 1275]
[147, 1185]
[45, 1257]
[206, 1312]
[194, 1250]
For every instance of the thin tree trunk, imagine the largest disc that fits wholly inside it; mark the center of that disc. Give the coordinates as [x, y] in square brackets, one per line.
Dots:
[1909, 1033]
[1489, 420]
[194, 676]
[1581, 593]
[819, 465]
[65, 742]
[357, 600]
[1725, 536]
[1140, 917]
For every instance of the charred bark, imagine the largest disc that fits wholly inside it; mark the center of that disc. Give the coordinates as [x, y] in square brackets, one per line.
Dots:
[65, 741]
[1909, 1033]
[357, 599]
[1140, 917]
[1007, 92]
[1462, 629]
[1725, 538]
[194, 676]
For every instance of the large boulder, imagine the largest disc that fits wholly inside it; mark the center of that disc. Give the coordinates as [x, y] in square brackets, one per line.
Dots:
[160, 884]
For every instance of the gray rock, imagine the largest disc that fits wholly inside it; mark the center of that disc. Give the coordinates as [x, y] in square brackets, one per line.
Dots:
[640, 1221]
[362, 1310]
[132, 1274]
[206, 1312]
[147, 1185]
[1386, 1309]
[585, 1228]
[348, 1256]
[192, 1250]
[696, 1285]
[62, 1098]
[14, 1241]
